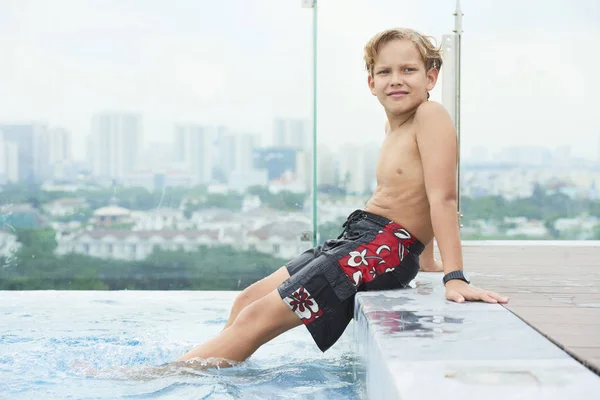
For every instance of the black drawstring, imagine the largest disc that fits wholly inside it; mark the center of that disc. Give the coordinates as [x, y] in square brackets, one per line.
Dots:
[355, 216]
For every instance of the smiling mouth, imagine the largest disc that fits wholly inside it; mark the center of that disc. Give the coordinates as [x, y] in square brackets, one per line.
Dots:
[398, 94]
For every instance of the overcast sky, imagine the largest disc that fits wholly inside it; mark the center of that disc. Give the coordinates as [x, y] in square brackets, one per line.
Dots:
[530, 68]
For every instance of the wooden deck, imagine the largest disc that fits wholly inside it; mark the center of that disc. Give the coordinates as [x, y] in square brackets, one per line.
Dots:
[553, 286]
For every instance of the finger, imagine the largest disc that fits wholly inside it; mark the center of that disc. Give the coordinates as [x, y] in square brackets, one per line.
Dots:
[485, 296]
[480, 295]
[499, 297]
[491, 297]
[454, 296]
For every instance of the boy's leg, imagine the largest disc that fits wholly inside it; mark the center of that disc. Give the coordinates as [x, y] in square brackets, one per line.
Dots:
[256, 324]
[256, 291]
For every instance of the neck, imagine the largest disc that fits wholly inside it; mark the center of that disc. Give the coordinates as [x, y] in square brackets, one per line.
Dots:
[398, 120]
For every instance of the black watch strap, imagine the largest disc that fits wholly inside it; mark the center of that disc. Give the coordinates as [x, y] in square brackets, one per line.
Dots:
[455, 275]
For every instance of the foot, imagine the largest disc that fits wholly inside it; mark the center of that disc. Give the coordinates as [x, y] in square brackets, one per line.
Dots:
[85, 368]
[433, 265]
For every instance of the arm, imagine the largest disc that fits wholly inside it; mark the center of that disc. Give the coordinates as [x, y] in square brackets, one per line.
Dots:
[437, 143]
[427, 262]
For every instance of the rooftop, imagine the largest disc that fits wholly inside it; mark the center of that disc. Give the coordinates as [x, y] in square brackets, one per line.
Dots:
[543, 344]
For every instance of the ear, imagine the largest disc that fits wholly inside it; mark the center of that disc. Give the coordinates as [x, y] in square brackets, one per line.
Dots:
[371, 82]
[432, 77]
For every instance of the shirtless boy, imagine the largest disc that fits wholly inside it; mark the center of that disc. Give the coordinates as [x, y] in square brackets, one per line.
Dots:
[380, 246]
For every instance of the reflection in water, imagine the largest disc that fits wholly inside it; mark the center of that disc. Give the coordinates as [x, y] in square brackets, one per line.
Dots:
[418, 324]
[424, 288]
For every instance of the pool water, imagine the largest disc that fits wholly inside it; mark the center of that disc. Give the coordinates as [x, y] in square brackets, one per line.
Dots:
[50, 340]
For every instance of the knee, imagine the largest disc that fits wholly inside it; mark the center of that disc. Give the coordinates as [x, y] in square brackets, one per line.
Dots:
[244, 298]
[249, 319]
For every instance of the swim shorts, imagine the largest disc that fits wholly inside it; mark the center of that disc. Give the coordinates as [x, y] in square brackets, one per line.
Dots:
[372, 253]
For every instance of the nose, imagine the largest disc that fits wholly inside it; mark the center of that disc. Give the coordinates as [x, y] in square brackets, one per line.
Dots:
[397, 79]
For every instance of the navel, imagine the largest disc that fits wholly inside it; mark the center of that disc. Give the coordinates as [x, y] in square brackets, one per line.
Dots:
[398, 171]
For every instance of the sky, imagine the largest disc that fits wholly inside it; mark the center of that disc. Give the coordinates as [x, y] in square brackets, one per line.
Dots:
[529, 68]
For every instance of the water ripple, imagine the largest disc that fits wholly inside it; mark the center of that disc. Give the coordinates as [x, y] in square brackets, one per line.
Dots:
[6, 339]
[54, 357]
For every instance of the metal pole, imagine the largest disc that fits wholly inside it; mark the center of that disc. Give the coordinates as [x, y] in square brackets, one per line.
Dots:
[314, 128]
[458, 33]
[313, 4]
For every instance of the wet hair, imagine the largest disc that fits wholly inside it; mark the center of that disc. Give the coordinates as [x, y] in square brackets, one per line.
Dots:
[430, 54]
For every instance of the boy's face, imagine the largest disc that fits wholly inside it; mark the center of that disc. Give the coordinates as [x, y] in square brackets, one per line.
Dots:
[399, 79]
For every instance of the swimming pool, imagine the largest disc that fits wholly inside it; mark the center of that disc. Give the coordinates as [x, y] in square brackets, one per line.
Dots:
[49, 338]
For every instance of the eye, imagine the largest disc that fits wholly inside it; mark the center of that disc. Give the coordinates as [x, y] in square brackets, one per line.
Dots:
[383, 71]
[410, 69]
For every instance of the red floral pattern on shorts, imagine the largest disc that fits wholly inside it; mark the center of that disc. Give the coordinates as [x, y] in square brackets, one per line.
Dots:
[375, 258]
[304, 305]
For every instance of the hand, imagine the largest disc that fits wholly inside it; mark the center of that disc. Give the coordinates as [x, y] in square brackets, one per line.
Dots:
[459, 291]
[431, 265]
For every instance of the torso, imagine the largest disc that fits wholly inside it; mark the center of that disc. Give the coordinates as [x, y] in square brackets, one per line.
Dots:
[400, 195]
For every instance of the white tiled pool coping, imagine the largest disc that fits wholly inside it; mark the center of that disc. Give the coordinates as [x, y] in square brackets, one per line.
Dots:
[417, 345]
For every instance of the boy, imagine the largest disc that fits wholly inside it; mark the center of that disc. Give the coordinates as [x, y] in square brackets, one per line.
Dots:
[380, 246]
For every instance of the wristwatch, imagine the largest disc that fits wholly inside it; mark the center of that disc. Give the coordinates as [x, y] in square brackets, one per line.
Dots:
[455, 275]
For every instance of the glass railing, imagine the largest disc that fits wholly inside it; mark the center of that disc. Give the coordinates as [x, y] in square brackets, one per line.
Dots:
[530, 143]
[153, 147]
[529, 138]
[170, 147]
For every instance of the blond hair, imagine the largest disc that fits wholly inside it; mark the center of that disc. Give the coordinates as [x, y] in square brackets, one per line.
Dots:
[430, 54]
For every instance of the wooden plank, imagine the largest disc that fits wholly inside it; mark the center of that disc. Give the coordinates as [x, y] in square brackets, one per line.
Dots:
[552, 299]
[593, 314]
[570, 329]
[567, 290]
[574, 339]
[592, 352]
[534, 319]
[594, 363]
[519, 299]
[553, 286]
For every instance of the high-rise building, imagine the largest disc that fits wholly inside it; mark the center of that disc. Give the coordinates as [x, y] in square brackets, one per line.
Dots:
[246, 145]
[214, 153]
[245, 174]
[524, 155]
[59, 145]
[279, 162]
[304, 175]
[194, 148]
[115, 144]
[291, 133]
[357, 167]
[226, 145]
[326, 166]
[58, 149]
[9, 161]
[598, 158]
[31, 142]
[235, 151]
[371, 151]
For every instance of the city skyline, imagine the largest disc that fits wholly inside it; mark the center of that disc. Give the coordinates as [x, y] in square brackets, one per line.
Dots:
[523, 83]
[475, 154]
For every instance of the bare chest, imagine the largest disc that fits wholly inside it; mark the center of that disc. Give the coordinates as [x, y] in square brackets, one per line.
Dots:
[399, 160]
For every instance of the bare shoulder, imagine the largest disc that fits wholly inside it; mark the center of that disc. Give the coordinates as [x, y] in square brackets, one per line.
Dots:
[432, 117]
[435, 132]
